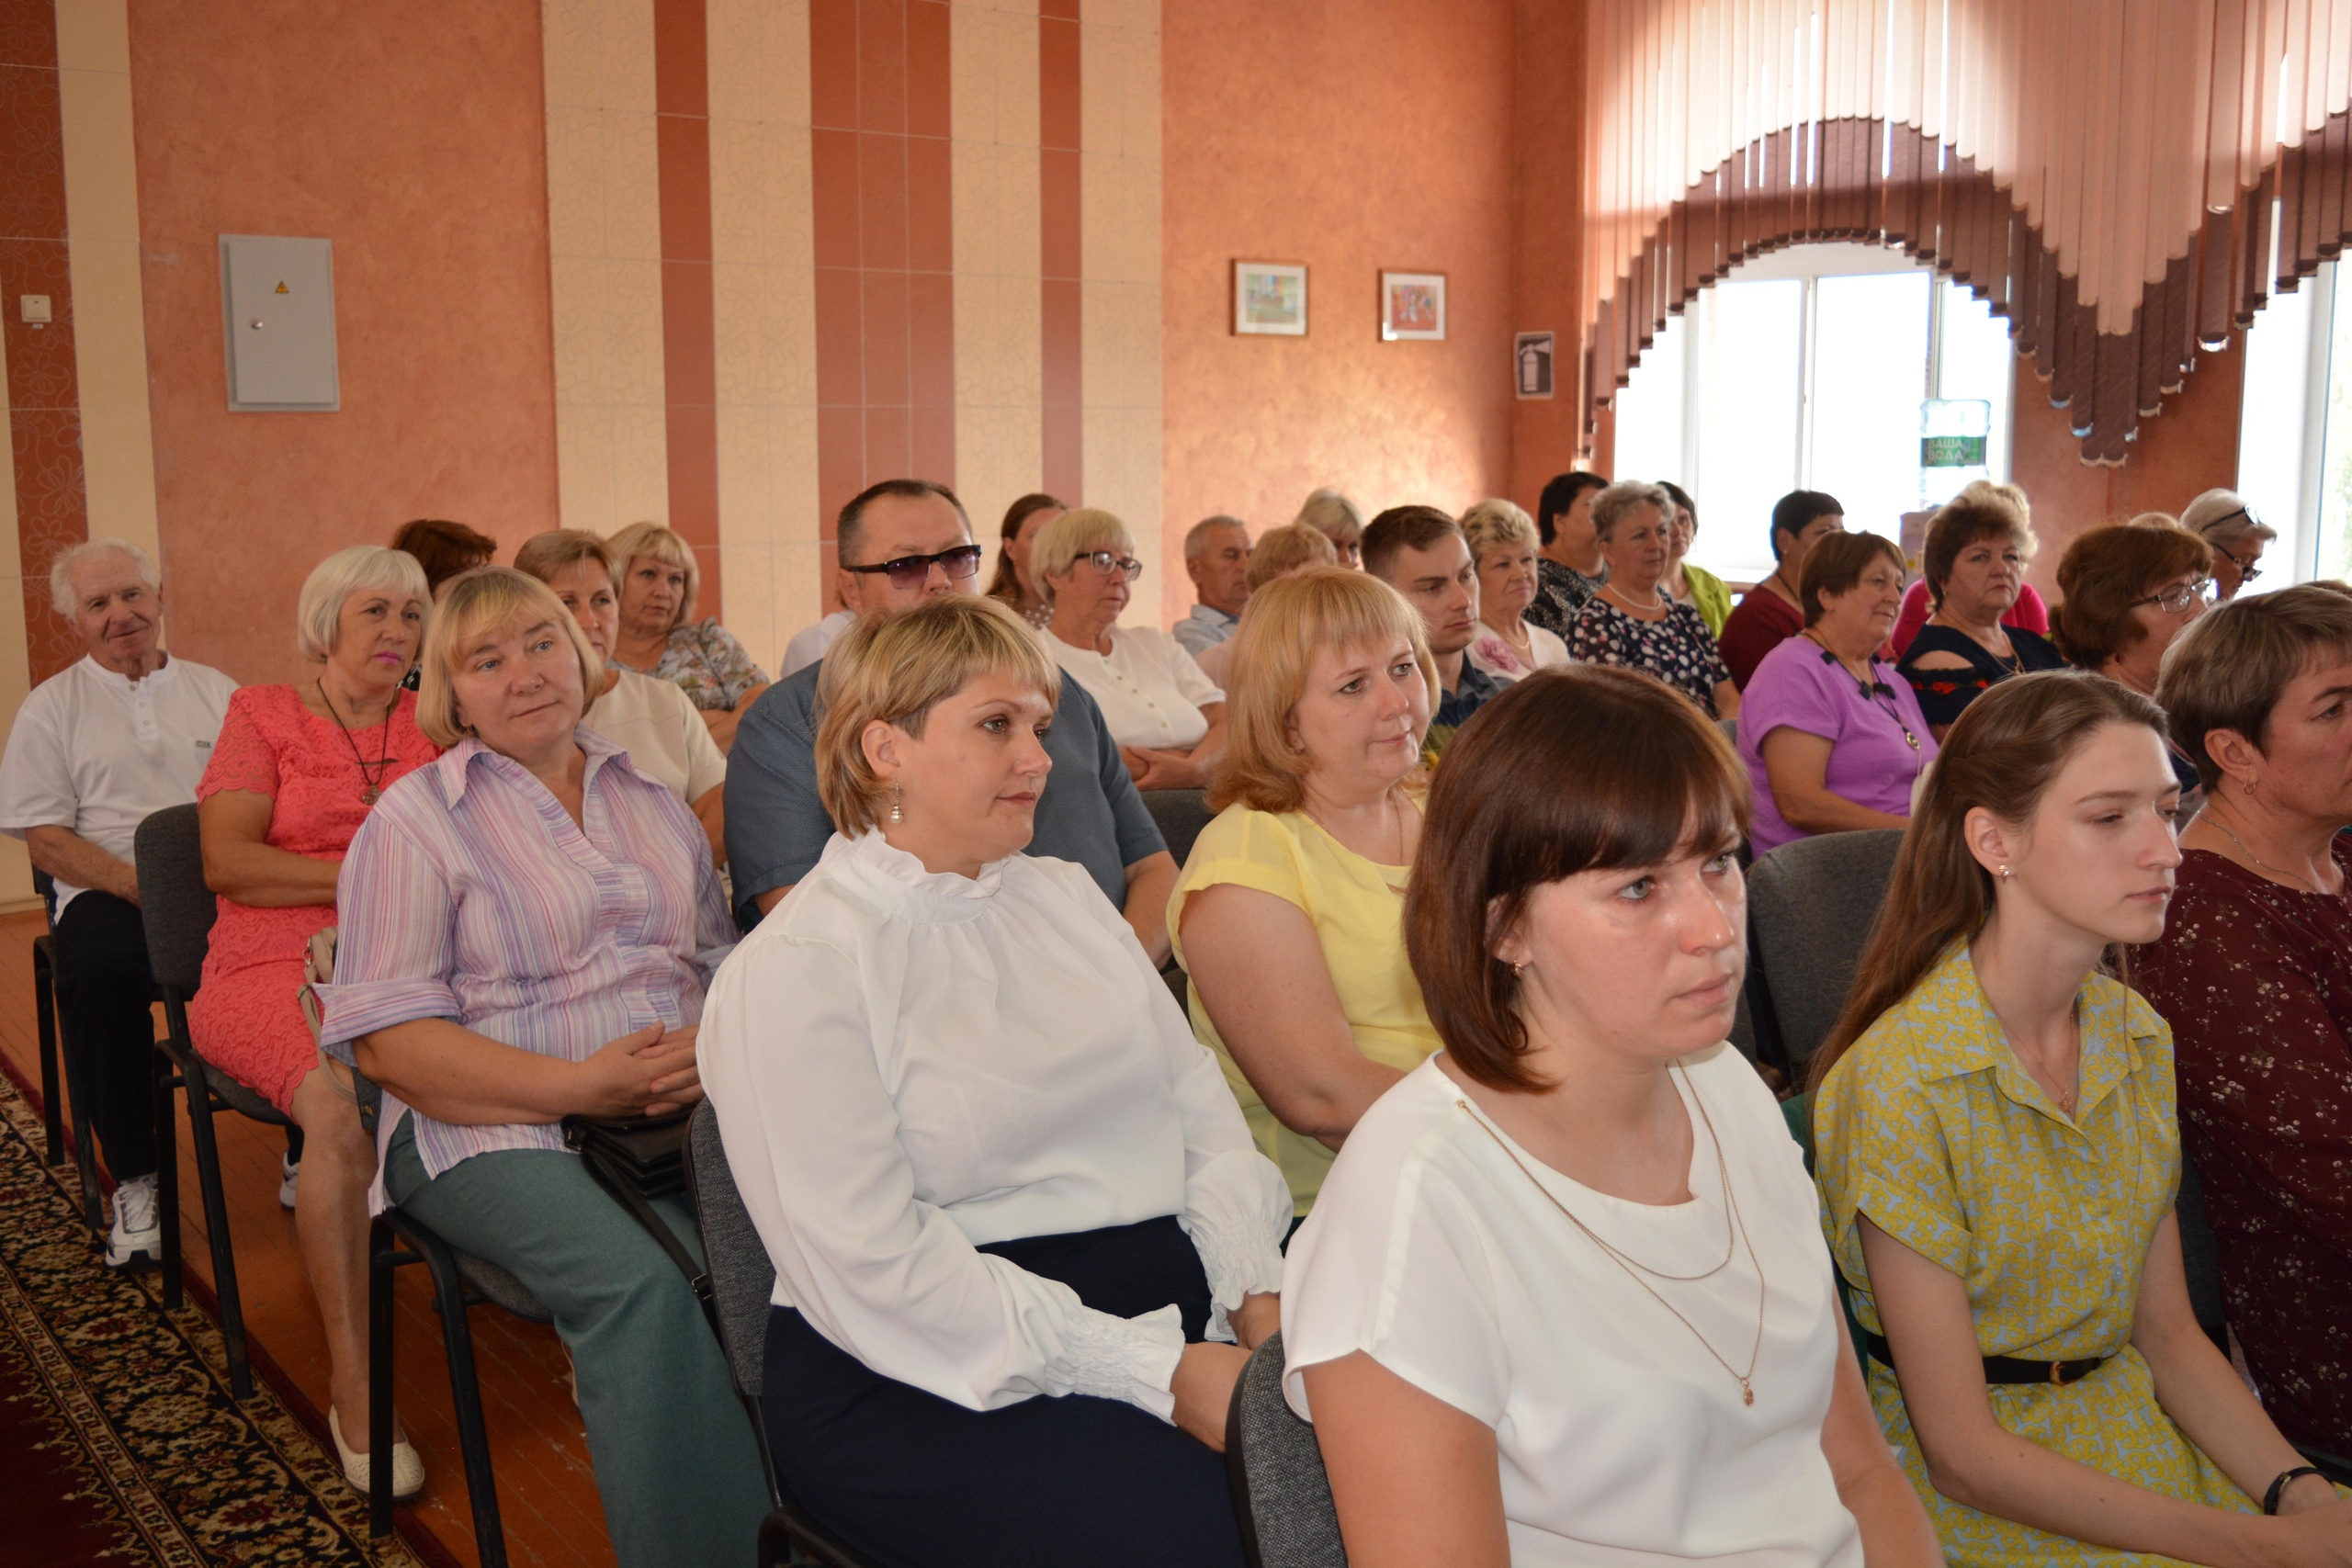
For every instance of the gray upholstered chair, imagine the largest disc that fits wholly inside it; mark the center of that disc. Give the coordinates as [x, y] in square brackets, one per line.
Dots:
[1279, 1492]
[1810, 905]
[1181, 814]
[742, 1279]
[177, 909]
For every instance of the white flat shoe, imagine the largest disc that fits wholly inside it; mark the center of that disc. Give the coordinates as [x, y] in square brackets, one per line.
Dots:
[408, 1470]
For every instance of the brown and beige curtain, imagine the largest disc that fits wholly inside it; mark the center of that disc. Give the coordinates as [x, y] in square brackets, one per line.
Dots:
[2123, 180]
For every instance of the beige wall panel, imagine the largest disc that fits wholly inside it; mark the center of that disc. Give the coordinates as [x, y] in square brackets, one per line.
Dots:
[102, 250]
[1119, 235]
[15, 669]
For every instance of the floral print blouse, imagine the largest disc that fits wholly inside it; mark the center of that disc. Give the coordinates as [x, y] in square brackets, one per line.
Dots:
[706, 662]
[1560, 593]
[1679, 650]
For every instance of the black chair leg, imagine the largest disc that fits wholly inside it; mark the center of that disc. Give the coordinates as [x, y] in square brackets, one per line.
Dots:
[86, 1146]
[167, 1176]
[216, 1224]
[465, 1399]
[53, 1104]
[383, 1257]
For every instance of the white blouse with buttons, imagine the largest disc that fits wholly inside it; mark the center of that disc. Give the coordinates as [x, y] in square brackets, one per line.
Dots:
[1150, 691]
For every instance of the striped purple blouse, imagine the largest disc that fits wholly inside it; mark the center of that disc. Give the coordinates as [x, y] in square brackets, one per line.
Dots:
[469, 894]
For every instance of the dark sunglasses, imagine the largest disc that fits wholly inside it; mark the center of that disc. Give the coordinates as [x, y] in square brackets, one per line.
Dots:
[913, 572]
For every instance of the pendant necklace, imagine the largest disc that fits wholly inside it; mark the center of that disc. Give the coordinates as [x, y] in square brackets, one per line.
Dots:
[371, 784]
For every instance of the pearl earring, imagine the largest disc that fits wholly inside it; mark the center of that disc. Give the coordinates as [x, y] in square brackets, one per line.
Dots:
[897, 805]
[2005, 874]
[1519, 971]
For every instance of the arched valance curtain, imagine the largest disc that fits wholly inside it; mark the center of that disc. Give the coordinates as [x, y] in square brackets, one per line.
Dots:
[2123, 180]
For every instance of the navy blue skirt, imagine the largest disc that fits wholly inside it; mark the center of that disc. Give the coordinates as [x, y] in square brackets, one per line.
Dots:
[915, 1481]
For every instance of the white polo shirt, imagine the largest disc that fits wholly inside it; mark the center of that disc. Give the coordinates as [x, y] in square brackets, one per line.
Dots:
[1149, 689]
[97, 753]
[810, 643]
[665, 737]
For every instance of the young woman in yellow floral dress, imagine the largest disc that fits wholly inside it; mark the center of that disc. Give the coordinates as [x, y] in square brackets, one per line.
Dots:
[1998, 1151]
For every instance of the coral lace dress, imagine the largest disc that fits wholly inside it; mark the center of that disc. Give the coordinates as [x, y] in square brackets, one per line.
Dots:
[246, 1018]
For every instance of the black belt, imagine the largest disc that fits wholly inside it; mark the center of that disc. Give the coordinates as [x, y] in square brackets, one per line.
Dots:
[2003, 1369]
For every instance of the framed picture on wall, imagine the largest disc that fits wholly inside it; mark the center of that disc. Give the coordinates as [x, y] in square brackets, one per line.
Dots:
[1269, 299]
[1412, 306]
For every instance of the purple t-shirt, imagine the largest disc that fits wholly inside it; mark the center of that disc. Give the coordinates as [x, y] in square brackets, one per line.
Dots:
[1799, 686]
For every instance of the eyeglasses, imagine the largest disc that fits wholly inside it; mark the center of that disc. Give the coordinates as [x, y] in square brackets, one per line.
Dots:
[2246, 573]
[2179, 596]
[1108, 561]
[913, 572]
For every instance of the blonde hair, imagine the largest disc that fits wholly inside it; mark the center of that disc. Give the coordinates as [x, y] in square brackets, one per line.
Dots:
[318, 613]
[1288, 622]
[897, 668]
[1286, 550]
[480, 601]
[1333, 516]
[550, 555]
[1494, 524]
[653, 539]
[1072, 534]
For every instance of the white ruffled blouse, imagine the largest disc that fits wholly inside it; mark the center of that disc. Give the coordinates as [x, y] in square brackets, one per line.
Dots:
[908, 1065]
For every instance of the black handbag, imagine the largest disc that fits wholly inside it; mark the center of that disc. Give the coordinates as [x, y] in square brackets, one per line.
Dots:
[637, 1160]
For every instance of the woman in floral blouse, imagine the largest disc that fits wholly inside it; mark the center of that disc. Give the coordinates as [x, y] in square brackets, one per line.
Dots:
[1631, 621]
[660, 636]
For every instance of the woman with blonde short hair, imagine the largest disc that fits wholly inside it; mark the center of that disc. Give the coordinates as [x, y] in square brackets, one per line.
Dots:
[1286, 914]
[529, 928]
[295, 772]
[1166, 716]
[651, 720]
[659, 581]
[1502, 546]
[1280, 552]
[1338, 519]
[1011, 1206]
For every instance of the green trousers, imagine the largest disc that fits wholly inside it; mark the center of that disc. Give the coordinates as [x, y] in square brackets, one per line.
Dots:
[676, 1463]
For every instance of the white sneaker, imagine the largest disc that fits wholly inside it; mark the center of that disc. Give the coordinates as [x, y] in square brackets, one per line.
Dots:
[288, 1173]
[408, 1468]
[136, 1232]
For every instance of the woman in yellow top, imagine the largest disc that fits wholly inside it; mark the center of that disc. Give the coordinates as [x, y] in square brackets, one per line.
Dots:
[1289, 914]
[1998, 1154]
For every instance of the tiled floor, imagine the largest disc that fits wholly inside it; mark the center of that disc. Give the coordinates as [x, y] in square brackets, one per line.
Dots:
[546, 1489]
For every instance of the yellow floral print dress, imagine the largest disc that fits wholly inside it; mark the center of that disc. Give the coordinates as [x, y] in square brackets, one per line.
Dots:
[1930, 1125]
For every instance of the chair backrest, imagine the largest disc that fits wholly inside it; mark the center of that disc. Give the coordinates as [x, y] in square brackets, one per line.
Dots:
[1279, 1491]
[1812, 904]
[174, 905]
[741, 1275]
[2200, 1255]
[1181, 814]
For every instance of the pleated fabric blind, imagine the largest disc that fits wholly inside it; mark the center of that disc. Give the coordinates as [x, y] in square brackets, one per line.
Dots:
[2123, 180]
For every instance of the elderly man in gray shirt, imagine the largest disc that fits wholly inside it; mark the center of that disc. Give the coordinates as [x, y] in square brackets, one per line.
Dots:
[897, 543]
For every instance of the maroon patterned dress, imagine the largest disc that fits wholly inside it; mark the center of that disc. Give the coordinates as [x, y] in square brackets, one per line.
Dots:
[2256, 979]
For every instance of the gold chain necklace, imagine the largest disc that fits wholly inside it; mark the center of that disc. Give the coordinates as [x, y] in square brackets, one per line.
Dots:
[1635, 1269]
[2265, 864]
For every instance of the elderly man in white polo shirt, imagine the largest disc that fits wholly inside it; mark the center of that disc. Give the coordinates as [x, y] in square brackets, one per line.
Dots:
[125, 732]
[1217, 557]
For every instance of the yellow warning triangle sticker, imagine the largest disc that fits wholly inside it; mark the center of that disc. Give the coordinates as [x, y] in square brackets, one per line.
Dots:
[281, 288]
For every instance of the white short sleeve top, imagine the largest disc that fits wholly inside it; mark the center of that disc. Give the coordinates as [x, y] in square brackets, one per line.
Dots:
[1149, 689]
[663, 732]
[1622, 1440]
[908, 1065]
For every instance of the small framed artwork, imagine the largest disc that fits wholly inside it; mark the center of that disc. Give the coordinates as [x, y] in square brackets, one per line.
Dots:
[1412, 306]
[1269, 299]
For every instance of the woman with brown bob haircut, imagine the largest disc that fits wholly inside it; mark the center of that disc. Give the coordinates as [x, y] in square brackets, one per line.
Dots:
[1286, 914]
[2125, 591]
[1564, 1295]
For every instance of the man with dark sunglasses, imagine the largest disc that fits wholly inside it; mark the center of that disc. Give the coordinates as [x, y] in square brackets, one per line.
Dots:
[897, 543]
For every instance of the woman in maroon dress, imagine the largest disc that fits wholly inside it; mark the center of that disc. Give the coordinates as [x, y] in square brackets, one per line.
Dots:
[292, 776]
[2254, 974]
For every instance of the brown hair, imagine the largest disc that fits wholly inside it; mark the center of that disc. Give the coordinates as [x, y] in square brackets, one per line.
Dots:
[1836, 564]
[2001, 755]
[1285, 550]
[1652, 774]
[550, 555]
[1288, 622]
[2229, 669]
[2104, 572]
[443, 548]
[1402, 528]
[1006, 584]
[1961, 522]
[897, 669]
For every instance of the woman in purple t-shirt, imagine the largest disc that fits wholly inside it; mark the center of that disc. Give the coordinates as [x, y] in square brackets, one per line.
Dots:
[1832, 736]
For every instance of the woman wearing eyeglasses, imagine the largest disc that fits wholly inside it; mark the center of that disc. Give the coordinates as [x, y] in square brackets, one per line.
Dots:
[1166, 716]
[2222, 519]
[2126, 591]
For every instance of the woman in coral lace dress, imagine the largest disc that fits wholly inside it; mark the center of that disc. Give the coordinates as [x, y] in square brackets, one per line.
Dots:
[292, 776]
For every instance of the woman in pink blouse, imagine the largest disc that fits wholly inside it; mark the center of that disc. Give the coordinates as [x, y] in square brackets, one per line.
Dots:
[529, 927]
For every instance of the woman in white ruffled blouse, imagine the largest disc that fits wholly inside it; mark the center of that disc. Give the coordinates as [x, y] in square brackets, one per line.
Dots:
[1012, 1206]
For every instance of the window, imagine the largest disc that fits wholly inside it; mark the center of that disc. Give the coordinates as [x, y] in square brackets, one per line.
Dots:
[2295, 430]
[1806, 370]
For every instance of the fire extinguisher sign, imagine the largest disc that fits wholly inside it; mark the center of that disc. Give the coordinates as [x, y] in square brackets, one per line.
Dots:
[1530, 360]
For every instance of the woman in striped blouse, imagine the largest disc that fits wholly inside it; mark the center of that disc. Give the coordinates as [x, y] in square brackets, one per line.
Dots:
[529, 927]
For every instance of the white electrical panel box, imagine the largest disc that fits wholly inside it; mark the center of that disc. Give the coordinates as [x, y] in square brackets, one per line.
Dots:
[278, 303]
